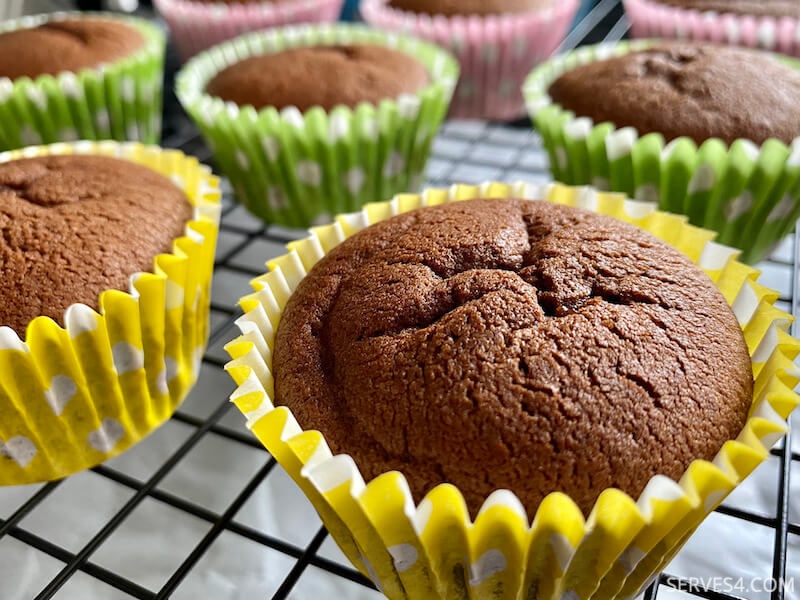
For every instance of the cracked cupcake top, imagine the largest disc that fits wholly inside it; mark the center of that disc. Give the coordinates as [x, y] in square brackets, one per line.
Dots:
[325, 76]
[508, 344]
[74, 226]
[68, 45]
[683, 89]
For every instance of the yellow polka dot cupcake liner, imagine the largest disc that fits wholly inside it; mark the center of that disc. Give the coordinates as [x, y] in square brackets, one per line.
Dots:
[75, 396]
[433, 549]
[297, 168]
[120, 100]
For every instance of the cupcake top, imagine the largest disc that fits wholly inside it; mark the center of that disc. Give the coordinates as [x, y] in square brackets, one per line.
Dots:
[682, 89]
[325, 76]
[775, 8]
[509, 344]
[469, 7]
[74, 226]
[68, 45]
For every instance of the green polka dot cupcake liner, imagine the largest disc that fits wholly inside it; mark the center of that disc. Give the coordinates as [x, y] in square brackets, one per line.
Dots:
[748, 194]
[120, 100]
[298, 168]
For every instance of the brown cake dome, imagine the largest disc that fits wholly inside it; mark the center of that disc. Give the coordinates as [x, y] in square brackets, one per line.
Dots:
[775, 8]
[469, 7]
[508, 344]
[684, 89]
[325, 76]
[74, 226]
[68, 45]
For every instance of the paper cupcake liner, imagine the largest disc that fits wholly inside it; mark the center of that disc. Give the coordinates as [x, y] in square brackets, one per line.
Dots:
[120, 100]
[652, 19]
[433, 550]
[73, 397]
[294, 168]
[11, 9]
[496, 52]
[748, 194]
[196, 26]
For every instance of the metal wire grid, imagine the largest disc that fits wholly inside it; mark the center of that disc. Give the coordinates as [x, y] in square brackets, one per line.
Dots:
[160, 480]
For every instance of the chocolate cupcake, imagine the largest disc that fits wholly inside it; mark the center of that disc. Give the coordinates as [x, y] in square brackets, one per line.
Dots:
[508, 344]
[489, 345]
[496, 42]
[103, 302]
[310, 121]
[69, 76]
[697, 141]
[687, 90]
[68, 45]
[64, 241]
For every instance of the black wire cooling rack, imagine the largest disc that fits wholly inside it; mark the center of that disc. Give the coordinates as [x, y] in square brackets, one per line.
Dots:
[200, 510]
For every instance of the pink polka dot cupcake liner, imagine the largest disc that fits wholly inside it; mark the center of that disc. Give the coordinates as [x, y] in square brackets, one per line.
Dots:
[496, 52]
[652, 19]
[196, 26]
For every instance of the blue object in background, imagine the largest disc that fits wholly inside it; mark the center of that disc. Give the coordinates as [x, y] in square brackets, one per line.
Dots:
[586, 7]
[350, 10]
